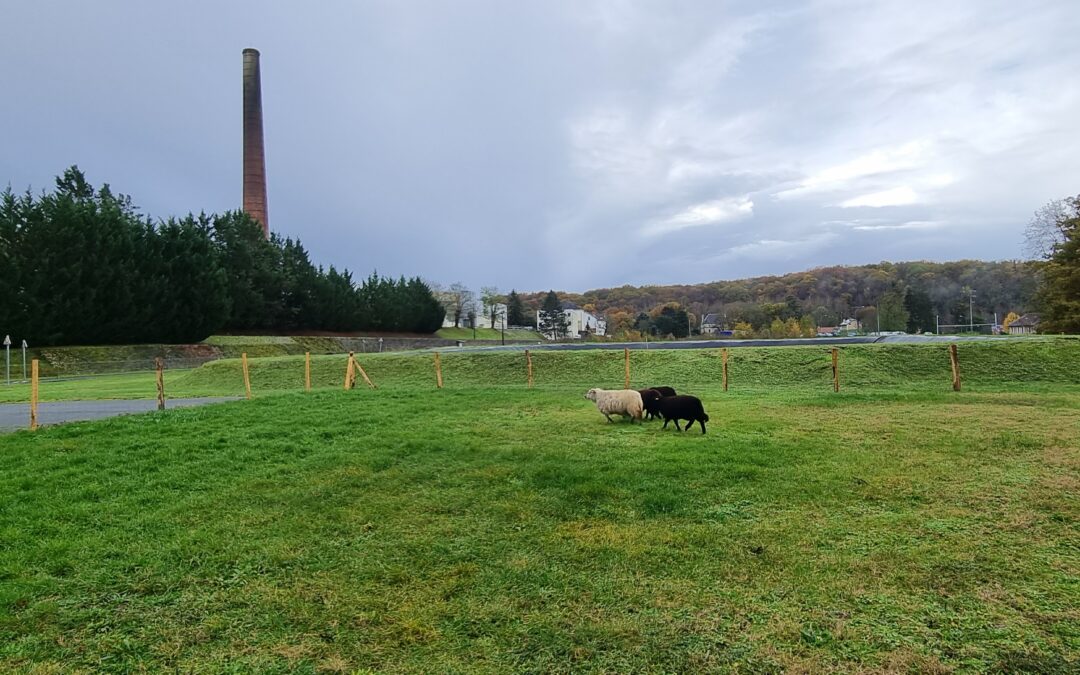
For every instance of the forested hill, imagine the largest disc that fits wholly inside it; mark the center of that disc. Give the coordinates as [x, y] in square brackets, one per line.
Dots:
[999, 287]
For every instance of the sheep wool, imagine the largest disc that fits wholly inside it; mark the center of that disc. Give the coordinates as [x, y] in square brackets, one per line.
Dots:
[625, 402]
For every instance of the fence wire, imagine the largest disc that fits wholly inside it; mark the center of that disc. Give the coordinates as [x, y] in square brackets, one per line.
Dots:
[1000, 365]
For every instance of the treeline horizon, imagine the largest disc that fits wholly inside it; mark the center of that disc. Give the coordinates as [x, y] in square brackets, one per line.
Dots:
[83, 266]
[929, 291]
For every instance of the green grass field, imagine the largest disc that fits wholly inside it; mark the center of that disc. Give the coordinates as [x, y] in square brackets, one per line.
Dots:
[897, 526]
[992, 366]
[487, 334]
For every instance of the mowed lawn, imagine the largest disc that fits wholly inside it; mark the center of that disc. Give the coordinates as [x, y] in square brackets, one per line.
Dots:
[515, 530]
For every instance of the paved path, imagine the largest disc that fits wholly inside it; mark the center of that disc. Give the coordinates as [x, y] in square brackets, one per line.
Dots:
[17, 415]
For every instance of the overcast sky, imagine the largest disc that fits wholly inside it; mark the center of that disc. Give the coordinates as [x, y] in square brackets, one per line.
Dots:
[569, 144]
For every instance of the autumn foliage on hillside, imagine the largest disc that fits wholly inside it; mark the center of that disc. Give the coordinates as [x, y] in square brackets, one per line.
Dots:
[904, 296]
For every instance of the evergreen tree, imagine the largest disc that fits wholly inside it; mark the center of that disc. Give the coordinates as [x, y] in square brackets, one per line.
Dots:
[672, 320]
[1059, 288]
[81, 266]
[427, 313]
[920, 309]
[252, 265]
[192, 299]
[553, 323]
[515, 310]
[644, 324]
[299, 282]
[894, 317]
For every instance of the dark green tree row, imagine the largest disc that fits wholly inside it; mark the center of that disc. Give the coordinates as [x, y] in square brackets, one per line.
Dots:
[83, 266]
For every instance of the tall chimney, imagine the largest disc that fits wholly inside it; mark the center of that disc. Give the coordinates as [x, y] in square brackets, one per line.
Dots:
[254, 156]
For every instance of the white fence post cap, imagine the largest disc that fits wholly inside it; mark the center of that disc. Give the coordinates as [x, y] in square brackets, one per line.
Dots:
[7, 340]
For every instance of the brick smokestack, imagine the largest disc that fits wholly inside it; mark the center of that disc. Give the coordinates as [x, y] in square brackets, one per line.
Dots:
[254, 156]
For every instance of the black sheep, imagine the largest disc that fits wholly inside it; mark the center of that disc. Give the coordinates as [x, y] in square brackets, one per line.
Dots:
[665, 391]
[649, 397]
[682, 408]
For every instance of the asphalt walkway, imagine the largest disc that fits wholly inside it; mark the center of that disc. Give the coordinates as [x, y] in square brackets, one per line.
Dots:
[17, 415]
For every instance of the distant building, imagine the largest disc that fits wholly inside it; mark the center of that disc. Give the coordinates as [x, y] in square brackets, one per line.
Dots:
[827, 331]
[579, 322]
[483, 318]
[710, 324]
[849, 325]
[1025, 325]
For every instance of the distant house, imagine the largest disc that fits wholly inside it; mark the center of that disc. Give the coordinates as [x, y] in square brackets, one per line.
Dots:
[483, 318]
[579, 322]
[710, 324]
[849, 325]
[1025, 325]
[827, 331]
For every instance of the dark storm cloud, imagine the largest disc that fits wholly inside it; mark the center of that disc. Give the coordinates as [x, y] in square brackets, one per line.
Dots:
[567, 145]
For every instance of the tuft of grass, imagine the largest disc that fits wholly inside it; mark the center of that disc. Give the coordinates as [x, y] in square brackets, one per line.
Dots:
[503, 529]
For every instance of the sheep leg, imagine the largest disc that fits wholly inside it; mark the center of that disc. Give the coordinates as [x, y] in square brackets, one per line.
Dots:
[677, 424]
[702, 423]
[608, 418]
[666, 420]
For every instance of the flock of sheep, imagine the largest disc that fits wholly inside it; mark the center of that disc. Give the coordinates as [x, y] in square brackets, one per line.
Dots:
[655, 402]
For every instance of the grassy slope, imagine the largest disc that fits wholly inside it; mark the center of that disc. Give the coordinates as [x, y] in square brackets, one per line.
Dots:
[999, 366]
[508, 530]
[486, 334]
[1003, 365]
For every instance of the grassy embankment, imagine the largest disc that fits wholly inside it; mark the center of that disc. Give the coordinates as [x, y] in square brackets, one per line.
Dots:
[501, 529]
[486, 334]
[999, 366]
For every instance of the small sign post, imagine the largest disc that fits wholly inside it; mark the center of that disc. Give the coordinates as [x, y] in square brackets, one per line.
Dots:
[7, 356]
[24, 346]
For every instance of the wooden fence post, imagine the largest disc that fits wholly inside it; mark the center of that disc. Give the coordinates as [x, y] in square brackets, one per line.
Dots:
[725, 368]
[528, 366]
[955, 367]
[247, 376]
[438, 371]
[33, 393]
[363, 374]
[159, 365]
[626, 360]
[835, 370]
[350, 373]
[307, 371]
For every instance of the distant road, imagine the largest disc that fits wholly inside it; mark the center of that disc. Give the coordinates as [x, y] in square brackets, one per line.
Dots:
[720, 344]
[17, 415]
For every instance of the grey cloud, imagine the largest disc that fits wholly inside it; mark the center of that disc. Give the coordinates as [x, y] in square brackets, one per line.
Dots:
[568, 144]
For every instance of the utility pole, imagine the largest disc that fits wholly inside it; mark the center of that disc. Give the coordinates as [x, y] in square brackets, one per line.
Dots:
[971, 313]
[24, 346]
[7, 356]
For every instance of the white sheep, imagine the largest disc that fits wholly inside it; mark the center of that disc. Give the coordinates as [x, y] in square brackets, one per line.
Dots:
[625, 402]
